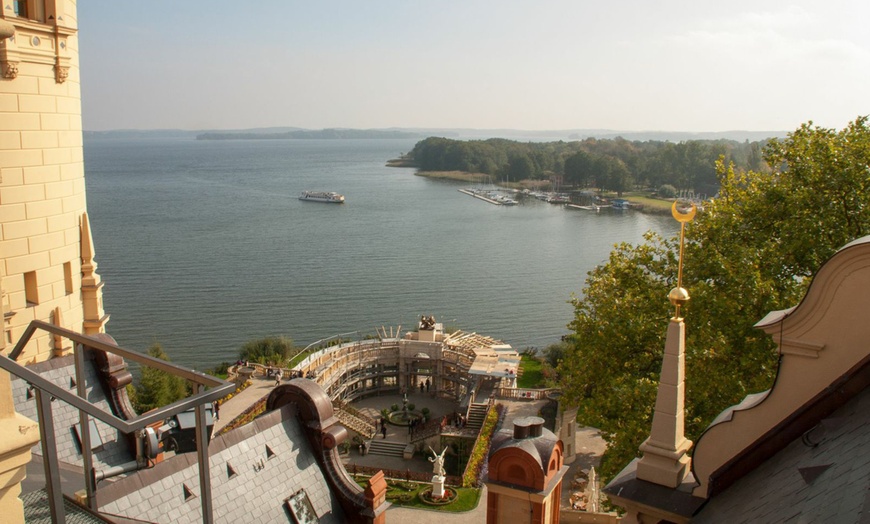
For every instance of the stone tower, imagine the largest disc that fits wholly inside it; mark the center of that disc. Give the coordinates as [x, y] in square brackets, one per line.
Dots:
[47, 268]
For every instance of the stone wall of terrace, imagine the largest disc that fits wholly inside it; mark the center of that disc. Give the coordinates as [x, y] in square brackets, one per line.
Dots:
[357, 369]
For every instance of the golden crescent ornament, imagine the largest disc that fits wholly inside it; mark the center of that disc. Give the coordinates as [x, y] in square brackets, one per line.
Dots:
[683, 211]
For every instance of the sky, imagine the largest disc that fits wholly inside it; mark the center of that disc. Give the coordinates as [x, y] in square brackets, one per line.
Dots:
[546, 65]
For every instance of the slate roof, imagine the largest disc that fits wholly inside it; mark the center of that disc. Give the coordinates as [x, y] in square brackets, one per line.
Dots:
[803, 483]
[61, 371]
[254, 469]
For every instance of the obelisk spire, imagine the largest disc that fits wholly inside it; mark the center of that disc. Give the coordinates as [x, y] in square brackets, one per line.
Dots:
[664, 460]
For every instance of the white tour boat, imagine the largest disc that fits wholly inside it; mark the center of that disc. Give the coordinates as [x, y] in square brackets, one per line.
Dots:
[322, 196]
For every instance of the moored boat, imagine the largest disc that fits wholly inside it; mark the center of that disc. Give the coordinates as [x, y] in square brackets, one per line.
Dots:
[322, 196]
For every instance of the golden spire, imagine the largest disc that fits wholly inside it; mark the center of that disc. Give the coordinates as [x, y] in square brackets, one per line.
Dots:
[683, 211]
[665, 460]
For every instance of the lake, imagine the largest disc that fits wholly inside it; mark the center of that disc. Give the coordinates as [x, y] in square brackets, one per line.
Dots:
[204, 245]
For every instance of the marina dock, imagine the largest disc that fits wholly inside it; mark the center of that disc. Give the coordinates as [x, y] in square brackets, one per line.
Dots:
[480, 196]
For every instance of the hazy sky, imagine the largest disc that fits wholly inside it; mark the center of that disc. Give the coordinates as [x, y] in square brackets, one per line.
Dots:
[626, 65]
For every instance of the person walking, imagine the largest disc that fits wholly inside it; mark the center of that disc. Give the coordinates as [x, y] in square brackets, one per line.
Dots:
[428, 383]
[384, 430]
[278, 375]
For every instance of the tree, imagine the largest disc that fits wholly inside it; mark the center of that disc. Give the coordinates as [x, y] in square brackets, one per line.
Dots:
[554, 353]
[612, 174]
[578, 169]
[269, 349]
[520, 167]
[752, 250]
[157, 388]
[667, 191]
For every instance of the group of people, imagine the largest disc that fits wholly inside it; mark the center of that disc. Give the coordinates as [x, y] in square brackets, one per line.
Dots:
[278, 374]
[458, 421]
[415, 425]
[425, 385]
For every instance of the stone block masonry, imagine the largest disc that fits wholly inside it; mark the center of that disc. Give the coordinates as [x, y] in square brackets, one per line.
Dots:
[42, 187]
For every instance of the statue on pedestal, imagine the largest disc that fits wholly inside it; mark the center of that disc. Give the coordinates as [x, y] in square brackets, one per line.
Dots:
[438, 461]
[427, 323]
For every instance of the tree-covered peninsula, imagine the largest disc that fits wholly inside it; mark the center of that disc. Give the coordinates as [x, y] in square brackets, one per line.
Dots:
[610, 164]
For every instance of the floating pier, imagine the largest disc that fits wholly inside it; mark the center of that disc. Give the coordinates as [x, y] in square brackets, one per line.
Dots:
[593, 207]
[482, 197]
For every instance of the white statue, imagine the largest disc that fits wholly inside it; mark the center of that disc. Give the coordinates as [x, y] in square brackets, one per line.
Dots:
[438, 461]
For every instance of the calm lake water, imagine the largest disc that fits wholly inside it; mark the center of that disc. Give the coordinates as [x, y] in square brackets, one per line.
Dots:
[203, 245]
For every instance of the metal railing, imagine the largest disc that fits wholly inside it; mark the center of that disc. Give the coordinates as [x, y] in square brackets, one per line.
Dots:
[524, 393]
[46, 392]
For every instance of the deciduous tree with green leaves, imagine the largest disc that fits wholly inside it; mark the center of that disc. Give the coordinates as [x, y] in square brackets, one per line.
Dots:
[752, 250]
[157, 388]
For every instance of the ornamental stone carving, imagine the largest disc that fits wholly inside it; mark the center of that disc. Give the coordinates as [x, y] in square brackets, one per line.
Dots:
[10, 70]
[61, 74]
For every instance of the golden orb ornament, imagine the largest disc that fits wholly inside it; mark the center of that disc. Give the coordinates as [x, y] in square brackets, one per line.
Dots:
[683, 210]
[678, 296]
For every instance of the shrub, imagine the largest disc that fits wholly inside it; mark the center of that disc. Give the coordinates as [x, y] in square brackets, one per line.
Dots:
[411, 407]
[667, 191]
[269, 349]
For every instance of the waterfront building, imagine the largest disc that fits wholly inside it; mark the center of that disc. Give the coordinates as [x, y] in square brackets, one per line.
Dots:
[796, 452]
[456, 366]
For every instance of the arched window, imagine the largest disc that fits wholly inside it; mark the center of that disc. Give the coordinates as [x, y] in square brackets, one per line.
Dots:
[516, 474]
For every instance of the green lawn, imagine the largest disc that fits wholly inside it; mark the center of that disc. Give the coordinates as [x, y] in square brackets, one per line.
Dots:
[651, 204]
[531, 376]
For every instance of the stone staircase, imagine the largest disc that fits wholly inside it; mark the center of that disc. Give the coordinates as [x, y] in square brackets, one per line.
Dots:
[476, 416]
[355, 423]
[387, 448]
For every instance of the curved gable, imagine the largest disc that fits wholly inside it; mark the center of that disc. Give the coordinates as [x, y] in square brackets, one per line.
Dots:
[823, 345]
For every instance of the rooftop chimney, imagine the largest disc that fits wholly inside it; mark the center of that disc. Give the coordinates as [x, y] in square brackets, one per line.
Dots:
[528, 427]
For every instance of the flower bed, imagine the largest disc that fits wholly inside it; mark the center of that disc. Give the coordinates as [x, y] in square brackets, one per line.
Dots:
[426, 496]
[477, 459]
[246, 416]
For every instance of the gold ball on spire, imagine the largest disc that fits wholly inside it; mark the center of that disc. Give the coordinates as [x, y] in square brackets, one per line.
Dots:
[678, 296]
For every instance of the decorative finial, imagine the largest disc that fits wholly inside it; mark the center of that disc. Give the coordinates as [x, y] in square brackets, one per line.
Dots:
[665, 460]
[683, 211]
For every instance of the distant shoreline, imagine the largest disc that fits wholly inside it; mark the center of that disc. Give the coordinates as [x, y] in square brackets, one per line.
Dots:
[330, 134]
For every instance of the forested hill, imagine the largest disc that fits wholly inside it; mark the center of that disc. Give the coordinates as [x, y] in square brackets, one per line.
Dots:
[613, 164]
